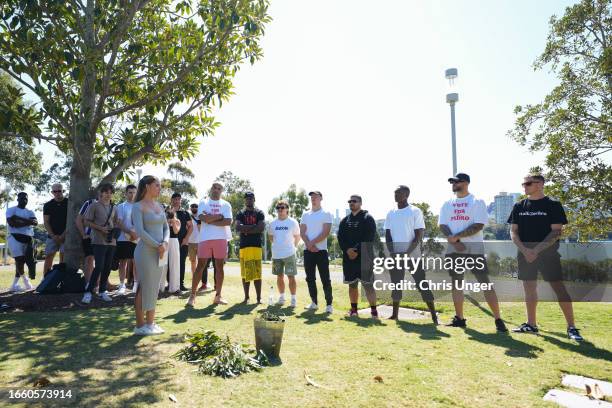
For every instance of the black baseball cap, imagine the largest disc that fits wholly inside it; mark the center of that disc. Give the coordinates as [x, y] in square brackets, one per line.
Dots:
[459, 177]
[249, 194]
[316, 192]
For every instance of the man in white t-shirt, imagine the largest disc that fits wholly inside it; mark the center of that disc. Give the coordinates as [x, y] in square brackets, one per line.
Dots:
[21, 222]
[194, 238]
[315, 226]
[216, 215]
[461, 221]
[404, 230]
[126, 243]
[284, 233]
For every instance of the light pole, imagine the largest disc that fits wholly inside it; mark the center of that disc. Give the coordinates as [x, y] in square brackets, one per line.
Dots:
[138, 173]
[452, 99]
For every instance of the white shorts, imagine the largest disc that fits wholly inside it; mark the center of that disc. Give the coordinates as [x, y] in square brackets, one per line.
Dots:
[15, 247]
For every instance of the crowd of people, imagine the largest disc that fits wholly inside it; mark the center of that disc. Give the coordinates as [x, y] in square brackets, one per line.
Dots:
[151, 244]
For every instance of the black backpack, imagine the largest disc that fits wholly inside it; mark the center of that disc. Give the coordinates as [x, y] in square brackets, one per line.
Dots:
[60, 279]
[52, 282]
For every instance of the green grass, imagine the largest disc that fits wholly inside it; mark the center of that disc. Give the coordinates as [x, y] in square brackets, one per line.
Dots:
[94, 353]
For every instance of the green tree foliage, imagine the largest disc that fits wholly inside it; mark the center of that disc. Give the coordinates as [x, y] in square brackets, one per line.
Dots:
[122, 83]
[19, 162]
[298, 202]
[432, 231]
[573, 122]
[180, 182]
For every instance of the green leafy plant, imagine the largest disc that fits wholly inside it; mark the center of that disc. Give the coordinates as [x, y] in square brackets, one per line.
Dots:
[220, 357]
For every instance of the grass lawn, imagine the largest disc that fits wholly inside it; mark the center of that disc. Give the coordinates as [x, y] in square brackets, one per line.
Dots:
[94, 353]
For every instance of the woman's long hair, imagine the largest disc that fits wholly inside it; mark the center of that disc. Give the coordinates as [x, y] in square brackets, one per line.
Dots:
[142, 186]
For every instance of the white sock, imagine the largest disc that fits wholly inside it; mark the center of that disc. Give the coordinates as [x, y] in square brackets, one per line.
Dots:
[16, 280]
[281, 296]
[26, 280]
[292, 297]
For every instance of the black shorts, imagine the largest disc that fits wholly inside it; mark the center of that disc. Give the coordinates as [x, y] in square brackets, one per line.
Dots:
[87, 247]
[548, 263]
[478, 261]
[125, 250]
[353, 271]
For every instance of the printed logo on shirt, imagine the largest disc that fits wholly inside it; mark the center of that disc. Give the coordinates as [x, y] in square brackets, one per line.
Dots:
[459, 211]
[250, 219]
[533, 213]
[281, 228]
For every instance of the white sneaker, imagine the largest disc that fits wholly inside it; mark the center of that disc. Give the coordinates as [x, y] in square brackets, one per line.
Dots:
[312, 306]
[135, 287]
[86, 298]
[143, 330]
[16, 288]
[155, 329]
[329, 309]
[281, 301]
[28, 285]
[190, 301]
[293, 302]
[121, 290]
[105, 297]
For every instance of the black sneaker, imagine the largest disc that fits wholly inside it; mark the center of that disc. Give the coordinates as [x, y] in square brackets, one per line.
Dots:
[457, 322]
[574, 334]
[501, 326]
[526, 328]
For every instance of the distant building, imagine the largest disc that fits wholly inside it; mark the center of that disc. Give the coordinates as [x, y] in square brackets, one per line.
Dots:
[503, 203]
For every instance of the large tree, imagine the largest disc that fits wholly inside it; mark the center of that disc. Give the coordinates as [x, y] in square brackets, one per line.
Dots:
[234, 189]
[121, 82]
[573, 122]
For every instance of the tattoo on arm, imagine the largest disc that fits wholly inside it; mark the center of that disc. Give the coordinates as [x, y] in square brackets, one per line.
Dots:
[471, 230]
[550, 239]
[445, 230]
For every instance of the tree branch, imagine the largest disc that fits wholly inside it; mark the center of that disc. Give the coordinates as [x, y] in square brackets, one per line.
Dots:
[133, 158]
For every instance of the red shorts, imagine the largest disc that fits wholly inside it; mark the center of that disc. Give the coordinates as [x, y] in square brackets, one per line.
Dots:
[214, 248]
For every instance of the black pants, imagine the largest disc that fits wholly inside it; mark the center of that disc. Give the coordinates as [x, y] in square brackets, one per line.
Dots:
[312, 262]
[103, 256]
[397, 275]
[183, 258]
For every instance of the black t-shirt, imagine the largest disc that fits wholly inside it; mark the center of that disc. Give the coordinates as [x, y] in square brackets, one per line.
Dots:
[184, 217]
[534, 218]
[58, 213]
[250, 217]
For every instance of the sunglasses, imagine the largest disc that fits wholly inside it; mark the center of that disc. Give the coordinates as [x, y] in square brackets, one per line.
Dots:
[456, 181]
[528, 183]
[352, 201]
[281, 208]
[57, 191]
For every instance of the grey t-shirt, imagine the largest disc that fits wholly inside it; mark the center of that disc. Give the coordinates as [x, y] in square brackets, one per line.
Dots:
[98, 213]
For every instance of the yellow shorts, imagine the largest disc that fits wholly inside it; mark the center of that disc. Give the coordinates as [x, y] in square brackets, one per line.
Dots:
[250, 263]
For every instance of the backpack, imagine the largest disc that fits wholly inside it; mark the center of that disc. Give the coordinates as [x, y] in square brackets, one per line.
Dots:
[52, 281]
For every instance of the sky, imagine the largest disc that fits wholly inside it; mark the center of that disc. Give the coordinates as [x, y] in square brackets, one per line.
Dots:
[350, 98]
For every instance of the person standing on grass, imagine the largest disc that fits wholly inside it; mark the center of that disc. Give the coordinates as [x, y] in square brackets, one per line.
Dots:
[356, 235]
[126, 243]
[250, 223]
[172, 275]
[183, 235]
[194, 238]
[150, 256]
[85, 233]
[55, 213]
[21, 222]
[284, 234]
[537, 223]
[102, 218]
[461, 221]
[315, 227]
[215, 214]
[404, 229]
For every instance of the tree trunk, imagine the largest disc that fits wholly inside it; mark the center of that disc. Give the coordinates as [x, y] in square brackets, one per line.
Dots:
[83, 139]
